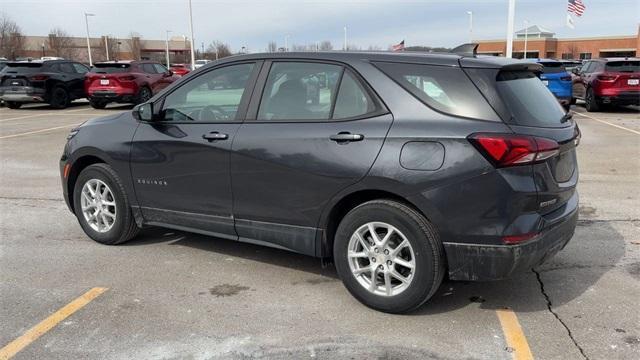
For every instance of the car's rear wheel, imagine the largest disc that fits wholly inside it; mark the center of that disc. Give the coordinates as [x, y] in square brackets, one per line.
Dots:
[143, 95]
[388, 256]
[102, 206]
[590, 101]
[97, 104]
[59, 98]
[14, 104]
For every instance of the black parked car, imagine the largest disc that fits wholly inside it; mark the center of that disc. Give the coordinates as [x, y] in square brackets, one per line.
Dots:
[406, 168]
[56, 82]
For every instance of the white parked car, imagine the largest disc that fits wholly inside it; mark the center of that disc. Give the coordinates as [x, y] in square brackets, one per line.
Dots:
[201, 63]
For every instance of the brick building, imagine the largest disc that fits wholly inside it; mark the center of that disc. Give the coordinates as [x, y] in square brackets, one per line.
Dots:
[543, 43]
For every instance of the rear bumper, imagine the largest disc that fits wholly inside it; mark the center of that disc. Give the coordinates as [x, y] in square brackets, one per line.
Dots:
[111, 96]
[621, 98]
[22, 94]
[477, 262]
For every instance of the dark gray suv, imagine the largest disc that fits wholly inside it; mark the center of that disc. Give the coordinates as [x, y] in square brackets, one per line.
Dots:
[401, 168]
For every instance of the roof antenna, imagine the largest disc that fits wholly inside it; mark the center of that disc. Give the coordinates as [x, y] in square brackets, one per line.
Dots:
[469, 49]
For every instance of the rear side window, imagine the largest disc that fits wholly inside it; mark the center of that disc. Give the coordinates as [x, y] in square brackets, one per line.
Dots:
[623, 66]
[552, 67]
[445, 89]
[110, 68]
[529, 100]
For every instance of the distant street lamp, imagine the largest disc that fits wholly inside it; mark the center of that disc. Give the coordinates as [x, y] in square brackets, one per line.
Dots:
[106, 47]
[193, 57]
[286, 43]
[345, 39]
[43, 55]
[526, 33]
[470, 13]
[167, 46]
[86, 22]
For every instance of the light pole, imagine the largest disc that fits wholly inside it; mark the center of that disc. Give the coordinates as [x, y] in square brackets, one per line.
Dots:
[526, 33]
[510, 16]
[470, 13]
[86, 22]
[106, 47]
[43, 55]
[286, 43]
[166, 45]
[345, 38]
[193, 57]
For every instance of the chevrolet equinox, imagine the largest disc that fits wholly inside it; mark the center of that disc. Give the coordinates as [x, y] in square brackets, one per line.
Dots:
[402, 168]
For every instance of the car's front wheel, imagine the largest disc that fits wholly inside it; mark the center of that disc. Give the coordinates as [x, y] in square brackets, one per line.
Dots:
[102, 206]
[388, 256]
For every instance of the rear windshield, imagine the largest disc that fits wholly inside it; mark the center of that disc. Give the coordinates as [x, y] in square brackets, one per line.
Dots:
[529, 100]
[110, 68]
[552, 67]
[623, 66]
[23, 67]
[443, 88]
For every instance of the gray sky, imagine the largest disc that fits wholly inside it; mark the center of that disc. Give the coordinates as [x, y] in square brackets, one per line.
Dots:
[382, 23]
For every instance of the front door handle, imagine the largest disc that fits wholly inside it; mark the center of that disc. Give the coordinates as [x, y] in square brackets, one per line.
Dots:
[343, 137]
[214, 135]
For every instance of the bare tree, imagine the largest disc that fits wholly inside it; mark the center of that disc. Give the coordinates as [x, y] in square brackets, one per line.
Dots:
[374, 48]
[11, 38]
[134, 45]
[272, 47]
[61, 44]
[326, 45]
[572, 49]
[219, 49]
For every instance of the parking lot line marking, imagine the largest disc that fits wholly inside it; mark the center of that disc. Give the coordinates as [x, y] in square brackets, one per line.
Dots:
[47, 324]
[37, 131]
[28, 116]
[608, 123]
[514, 335]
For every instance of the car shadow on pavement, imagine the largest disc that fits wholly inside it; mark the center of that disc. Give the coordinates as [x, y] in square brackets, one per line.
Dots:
[595, 249]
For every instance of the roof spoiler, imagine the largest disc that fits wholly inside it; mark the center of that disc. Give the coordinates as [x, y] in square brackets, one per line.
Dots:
[469, 49]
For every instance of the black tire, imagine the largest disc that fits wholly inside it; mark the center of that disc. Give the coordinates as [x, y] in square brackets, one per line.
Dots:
[429, 255]
[573, 101]
[59, 98]
[124, 226]
[567, 107]
[144, 94]
[13, 104]
[591, 101]
[98, 104]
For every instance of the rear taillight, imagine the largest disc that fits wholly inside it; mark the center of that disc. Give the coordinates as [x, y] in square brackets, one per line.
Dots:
[510, 150]
[607, 77]
[516, 239]
[126, 78]
[565, 78]
[38, 77]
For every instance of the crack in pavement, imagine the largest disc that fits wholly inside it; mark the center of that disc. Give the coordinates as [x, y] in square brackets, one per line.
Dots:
[548, 300]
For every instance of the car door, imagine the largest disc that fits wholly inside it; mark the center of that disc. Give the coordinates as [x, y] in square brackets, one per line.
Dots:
[165, 79]
[73, 81]
[180, 163]
[152, 77]
[581, 82]
[313, 129]
[80, 72]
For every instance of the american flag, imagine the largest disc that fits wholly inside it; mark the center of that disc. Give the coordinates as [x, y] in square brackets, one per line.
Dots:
[576, 6]
[398, 47]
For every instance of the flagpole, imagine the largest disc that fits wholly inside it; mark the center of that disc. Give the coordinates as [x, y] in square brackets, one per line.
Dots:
[510, 21]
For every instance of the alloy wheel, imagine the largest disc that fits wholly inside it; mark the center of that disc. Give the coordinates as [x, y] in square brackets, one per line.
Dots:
[381, 259]
[98, 205]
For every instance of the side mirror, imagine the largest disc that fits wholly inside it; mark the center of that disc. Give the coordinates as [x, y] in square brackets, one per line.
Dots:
[168, 73]
[143, 112]
[576, 70]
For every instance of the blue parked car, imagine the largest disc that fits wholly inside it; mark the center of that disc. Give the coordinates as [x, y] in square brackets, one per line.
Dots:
[558, 80]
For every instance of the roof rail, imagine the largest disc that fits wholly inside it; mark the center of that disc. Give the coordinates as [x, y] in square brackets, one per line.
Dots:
[469, 49]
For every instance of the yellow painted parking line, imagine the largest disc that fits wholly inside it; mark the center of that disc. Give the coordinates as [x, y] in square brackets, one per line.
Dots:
[514, 335]
[38, 131]
[47, 324]
[608, 123]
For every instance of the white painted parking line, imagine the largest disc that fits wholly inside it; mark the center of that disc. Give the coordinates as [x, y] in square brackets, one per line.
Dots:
[28, 116]
[37, 131]
[608, 123]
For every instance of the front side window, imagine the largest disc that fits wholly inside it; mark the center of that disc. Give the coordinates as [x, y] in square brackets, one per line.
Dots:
[211, 97]
[299, 91]
[67, 68]
[80, 69]
[446, 89]
[149, 69]
[160, 69]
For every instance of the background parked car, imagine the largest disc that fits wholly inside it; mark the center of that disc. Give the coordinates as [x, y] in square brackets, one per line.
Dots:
[180, 69]
[125, 82]
[56, 82]
[201, 63]
[569, 65]
[608, 81]
[558, 80]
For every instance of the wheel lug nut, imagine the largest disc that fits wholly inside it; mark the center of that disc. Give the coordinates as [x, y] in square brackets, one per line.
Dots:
[386, 252]
[380, 267]
[376, 250]
[389, 262]
[373, 259]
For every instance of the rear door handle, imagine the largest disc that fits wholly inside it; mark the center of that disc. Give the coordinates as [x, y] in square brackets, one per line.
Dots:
[214, 135]
[343, 137]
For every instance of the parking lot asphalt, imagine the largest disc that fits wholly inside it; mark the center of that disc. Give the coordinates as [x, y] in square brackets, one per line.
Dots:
[170, 295]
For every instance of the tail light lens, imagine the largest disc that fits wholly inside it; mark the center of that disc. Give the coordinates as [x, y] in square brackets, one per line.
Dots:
[126, 78]
[516, 239]
[505, 150]
[607, 77]
[566, 78]
[38, 77]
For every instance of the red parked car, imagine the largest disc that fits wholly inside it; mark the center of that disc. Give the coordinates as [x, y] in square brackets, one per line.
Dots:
[610, 81]
[125, 82]
[180, 69]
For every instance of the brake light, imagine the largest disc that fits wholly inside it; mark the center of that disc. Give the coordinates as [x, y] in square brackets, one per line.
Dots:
[126, 78]
[510, 150]
[38, 77]
[565, 78]
[607, 77]
[516, 239]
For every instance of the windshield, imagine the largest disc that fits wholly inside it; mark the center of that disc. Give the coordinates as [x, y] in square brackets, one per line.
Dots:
[623, 66]
[110, 68]
[552, 67]
[529, 100]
